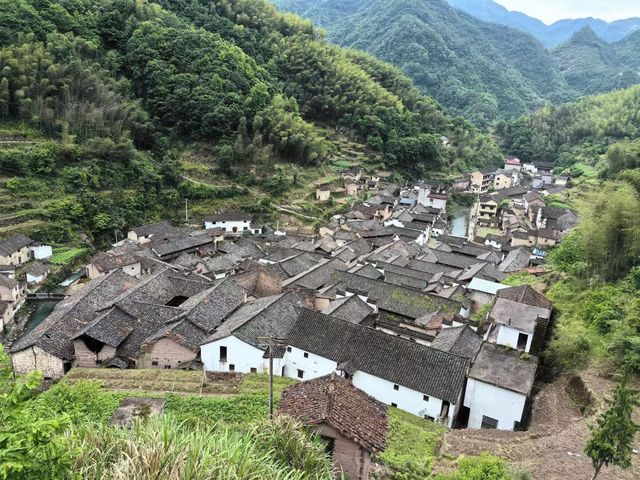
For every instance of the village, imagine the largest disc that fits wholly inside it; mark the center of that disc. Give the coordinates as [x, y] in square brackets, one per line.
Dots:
[389, 304]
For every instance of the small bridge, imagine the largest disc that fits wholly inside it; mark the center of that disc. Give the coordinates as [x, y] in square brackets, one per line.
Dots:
[46, 296]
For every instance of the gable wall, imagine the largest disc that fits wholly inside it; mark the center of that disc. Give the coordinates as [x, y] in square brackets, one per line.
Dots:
[166, 352]
[495, 402]
[243, 356]
[34, 358]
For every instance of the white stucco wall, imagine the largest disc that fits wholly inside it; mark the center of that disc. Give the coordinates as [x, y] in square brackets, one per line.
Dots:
[495, 402]
[228, 226]
[42, 252]
[509, 336]
[405, 398]
[243, 356]
[313, 366]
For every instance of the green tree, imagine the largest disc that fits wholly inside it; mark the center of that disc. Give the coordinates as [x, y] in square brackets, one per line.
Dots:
[612, 436]
[30, 446]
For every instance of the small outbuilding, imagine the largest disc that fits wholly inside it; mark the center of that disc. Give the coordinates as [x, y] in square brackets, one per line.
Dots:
[353, 424]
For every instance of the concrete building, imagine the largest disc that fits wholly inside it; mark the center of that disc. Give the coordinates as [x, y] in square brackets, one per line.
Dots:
[232, 223]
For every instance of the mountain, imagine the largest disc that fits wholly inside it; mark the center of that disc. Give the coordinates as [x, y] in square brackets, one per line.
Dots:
[591, 65]
[112, 112]
[470, 66]
[550, 35]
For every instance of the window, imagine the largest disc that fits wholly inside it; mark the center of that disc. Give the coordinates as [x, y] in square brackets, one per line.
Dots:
[167, 367]
[430, 418]
[98, 361]
[425, 398]
[154, 363]
[395, 405]
[245, 228]
[489, 423]
[288, 349]
[232, 367]
[396, 387]
[300, 373]
[306, 355]
[223, 354]
[253, 370]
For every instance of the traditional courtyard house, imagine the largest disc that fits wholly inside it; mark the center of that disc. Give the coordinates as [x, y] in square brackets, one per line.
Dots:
[258, 283]
[353, 308]
[351, 188]
[461, 184]
[232, 223]
[352, 424]
[352, 174]
[533, 199]
[10, 290]
[49, 347]
[323, 192]
[499, 383]
[481, 180]
[174, 247]
[546, 237]
[104, 263]
[415, 378]
[512, 163]
[482, 292]
[503, 179]
[240, 343]
[37, 273]
[145, 233]
[15, 250]
[317, 276]
[523, 239]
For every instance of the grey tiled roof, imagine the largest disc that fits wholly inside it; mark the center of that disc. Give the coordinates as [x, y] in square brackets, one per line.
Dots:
[317, 276]
[527, 295]
[395, 299]
[14, 244]
[409, 364]
[210, 307]
[7, 282]
[504, 368]
[462, 341]
[352, 309]
[260, 311]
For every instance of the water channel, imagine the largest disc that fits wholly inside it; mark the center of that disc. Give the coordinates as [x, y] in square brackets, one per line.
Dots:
[459, 221]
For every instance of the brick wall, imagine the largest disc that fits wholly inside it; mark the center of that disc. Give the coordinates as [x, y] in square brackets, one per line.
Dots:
[166, 352]
[348, 456]
[88, 359]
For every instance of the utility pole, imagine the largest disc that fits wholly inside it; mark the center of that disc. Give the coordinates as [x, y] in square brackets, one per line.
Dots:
[271, 343]
[186, 210]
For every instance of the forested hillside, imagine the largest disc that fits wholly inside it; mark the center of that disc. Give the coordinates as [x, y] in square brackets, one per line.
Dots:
[470, 66]
[100, 98]
[550, 35]
[591, 65]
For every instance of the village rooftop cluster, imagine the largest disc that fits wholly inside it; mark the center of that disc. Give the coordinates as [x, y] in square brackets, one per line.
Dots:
[382, 297]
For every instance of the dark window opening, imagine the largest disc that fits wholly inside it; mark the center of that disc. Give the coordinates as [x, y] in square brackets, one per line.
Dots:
[425, 398]
[254, 370]
[288, 349]
[98, 361]
[234, 229]
[430, 418]
[489, 423]
[396, 387]
[300, 373]
[329, 444]
[92, 344]
[232, 367]
[282, 372]
[66, 366]
[444, 411]
[167, 367]
[522, 341]
[177, 301]
[306, 355]
[223, 354]
[154, 363]
[395, 405]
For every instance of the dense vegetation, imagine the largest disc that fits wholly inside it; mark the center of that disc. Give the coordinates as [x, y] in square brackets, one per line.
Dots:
[109, 93]
[591, 65]
[470, 66]
[549, 35]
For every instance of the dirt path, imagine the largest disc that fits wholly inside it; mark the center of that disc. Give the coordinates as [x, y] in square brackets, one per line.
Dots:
[294, 213]
[552, 448]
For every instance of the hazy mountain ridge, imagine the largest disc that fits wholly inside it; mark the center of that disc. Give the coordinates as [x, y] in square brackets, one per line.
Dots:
[468, 65]
[550, 35]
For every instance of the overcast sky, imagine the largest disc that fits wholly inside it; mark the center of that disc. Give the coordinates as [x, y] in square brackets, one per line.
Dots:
[551, 10]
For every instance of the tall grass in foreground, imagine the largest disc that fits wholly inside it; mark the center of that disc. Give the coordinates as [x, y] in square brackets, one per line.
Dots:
[165, 449]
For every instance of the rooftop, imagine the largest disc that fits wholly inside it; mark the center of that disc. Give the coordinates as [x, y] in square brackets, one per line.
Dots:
[504, 368]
